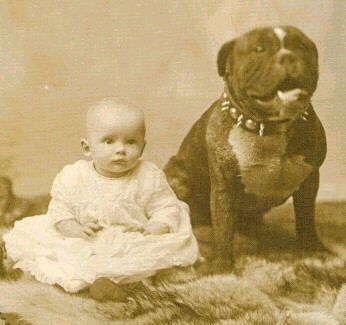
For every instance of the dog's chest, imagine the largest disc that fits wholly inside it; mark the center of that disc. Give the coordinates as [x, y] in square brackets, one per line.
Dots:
[265, 169]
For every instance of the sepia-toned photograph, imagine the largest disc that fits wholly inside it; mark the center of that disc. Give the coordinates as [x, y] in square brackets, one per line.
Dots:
[172, 162]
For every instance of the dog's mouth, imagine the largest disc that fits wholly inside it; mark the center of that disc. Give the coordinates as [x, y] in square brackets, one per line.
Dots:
[284, 96]
[286, 92]
[283, 103]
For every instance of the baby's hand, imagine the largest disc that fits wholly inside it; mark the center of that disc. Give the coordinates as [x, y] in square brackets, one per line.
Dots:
[91, 228]
[72, 228]
[156, 228]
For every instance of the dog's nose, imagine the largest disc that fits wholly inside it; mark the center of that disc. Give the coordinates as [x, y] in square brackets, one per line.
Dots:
[286, 57]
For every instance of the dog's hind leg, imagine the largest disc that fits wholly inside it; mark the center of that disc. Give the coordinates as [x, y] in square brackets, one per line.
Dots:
[192, 188]
[178, 178]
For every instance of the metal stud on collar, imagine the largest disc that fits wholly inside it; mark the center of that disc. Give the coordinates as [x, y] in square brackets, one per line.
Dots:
[234, 113]
[304, 116]
[239, 120]
[225, 105]
[251, 124]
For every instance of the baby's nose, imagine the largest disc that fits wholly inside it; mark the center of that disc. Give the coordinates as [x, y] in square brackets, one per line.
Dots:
[120, 149]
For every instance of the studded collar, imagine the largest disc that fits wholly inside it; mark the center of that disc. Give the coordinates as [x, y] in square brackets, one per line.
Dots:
[246, 122]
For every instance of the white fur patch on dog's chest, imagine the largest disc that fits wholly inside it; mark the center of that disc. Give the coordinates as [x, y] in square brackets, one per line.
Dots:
[265, 169]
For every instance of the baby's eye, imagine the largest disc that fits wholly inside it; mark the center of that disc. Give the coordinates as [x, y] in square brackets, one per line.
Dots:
[108, 141]
[131, 141]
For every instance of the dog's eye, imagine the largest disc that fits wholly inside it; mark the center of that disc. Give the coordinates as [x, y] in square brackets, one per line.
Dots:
[259, 49]
[301, 46]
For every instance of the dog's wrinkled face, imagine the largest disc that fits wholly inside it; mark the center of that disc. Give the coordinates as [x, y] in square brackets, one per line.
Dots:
[272, 72]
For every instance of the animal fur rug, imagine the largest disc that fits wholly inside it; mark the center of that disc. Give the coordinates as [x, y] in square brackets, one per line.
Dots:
[272, 284]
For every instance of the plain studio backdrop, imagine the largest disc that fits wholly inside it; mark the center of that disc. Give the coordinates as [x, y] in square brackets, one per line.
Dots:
[58, 56]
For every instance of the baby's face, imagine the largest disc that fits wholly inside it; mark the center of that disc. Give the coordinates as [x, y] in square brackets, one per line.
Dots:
[116, 141]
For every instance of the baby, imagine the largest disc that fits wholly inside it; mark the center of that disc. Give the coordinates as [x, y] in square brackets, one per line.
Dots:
[112, 220]
[115, 141]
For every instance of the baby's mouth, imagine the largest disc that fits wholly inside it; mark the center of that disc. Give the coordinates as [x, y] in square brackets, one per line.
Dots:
[119, 161]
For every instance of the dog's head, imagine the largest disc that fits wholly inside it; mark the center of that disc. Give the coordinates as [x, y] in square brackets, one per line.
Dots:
[271, 72]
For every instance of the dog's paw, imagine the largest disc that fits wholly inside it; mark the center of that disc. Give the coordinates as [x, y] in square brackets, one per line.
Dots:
[315, 246]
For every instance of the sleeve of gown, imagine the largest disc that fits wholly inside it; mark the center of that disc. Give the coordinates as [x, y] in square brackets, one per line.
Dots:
[60, 207]
[163, 205]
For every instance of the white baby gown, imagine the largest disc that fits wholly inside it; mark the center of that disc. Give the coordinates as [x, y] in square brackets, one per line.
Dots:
[120, 251]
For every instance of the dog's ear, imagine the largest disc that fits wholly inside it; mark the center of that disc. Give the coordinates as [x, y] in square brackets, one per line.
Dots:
[225, 52]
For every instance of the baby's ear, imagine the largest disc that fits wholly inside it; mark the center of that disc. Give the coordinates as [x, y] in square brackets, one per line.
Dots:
[85, 146]
[143, 146]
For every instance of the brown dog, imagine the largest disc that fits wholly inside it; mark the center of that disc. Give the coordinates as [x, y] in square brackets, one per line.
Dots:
[257, 145]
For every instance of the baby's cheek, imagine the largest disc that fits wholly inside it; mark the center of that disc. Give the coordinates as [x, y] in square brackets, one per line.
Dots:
[135, 152]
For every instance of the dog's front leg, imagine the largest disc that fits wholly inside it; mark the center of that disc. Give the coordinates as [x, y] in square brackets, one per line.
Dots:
[304, 207]
[224, 206]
